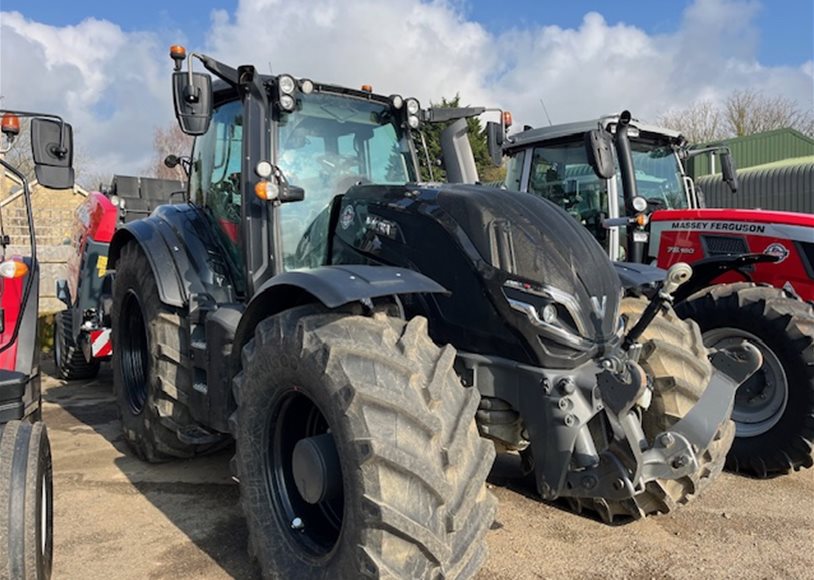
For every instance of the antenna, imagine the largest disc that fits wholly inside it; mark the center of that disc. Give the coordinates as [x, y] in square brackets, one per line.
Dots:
[271, 71]
[546, 112]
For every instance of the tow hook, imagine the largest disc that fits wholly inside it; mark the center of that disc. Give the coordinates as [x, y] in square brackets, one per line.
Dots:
[677, 275]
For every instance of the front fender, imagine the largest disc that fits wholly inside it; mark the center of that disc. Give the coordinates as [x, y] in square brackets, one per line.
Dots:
[635, 277]
[705, 271]
[338, 285]
[332, 286]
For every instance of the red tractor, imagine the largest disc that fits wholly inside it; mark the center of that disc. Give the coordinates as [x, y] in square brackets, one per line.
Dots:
[26, 499]
[81, 334]
[753, 270]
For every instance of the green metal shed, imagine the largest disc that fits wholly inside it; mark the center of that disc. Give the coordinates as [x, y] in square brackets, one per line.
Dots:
[757, 149]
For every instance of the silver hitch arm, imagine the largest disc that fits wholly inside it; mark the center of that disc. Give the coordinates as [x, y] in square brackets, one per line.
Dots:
[677, 275]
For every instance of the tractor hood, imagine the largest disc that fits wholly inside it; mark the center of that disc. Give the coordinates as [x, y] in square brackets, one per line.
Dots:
[533, 239]
[526, 249]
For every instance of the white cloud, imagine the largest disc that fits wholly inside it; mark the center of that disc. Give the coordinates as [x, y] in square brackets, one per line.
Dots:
[114, 85]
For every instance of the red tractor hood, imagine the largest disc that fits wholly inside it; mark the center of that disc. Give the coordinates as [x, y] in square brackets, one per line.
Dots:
[692, 235]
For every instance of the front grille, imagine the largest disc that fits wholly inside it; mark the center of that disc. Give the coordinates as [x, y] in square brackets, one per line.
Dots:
[724, 245]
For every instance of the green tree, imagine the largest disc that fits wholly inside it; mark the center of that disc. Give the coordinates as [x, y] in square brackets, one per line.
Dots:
[477, 139]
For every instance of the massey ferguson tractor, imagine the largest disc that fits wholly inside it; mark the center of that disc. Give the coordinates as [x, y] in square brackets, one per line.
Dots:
[753, 270]
[26, 499]
[368, 341]
[81, 337]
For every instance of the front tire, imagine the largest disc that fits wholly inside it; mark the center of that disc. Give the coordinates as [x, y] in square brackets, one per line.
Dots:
[774, 410]
[26, 502]
[405, 496]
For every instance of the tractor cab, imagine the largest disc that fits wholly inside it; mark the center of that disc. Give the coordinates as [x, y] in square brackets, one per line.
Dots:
[553, 162]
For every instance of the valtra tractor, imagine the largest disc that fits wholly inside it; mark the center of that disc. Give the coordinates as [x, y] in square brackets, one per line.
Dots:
[365, 338]
[753, 270]
[26, 499]
[81, 337]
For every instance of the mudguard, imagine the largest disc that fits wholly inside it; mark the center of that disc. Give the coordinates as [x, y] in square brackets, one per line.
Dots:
[333, 286]
[147, 233]
[635, 276]
[338, 285]
[705, 271]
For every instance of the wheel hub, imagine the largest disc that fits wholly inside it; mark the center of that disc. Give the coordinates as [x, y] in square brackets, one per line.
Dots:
[315, 465]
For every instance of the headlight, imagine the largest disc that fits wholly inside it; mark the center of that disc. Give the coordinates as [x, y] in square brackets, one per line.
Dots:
[413, 122]
[412, 107]
[396, 101]
[287, 102]
[550, 311]
[286, 84]
[549, 314]
[306, 86]
[639, 204]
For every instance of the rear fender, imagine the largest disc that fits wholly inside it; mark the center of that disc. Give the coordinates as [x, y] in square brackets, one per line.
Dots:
[147, 232]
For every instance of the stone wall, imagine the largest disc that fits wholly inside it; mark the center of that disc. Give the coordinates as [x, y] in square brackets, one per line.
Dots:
[53, 223]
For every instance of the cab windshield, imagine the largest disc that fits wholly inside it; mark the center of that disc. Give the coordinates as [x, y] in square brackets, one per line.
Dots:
[329, 144]
[658, 175]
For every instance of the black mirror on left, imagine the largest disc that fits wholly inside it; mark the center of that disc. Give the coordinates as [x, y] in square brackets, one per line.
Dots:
[52, 150]
[494, 139]
[192, 96]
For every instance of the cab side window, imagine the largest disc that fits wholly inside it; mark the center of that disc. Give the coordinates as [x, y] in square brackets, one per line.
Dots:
[216, 163]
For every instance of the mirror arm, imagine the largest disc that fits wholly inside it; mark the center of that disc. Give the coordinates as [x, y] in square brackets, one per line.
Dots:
[217, 68]
[714, 149]
[59, 151]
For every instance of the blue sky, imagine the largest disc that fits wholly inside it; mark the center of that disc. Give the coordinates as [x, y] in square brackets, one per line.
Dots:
[104, 65]
[786, 26]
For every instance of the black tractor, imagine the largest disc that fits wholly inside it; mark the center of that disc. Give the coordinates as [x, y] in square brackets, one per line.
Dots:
[368, 341]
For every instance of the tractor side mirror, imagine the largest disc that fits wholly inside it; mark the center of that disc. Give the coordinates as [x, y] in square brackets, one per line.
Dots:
[599, 149]
[494, 139]
[291, 193]
[192, 96]
[728, 170]
[52, 150]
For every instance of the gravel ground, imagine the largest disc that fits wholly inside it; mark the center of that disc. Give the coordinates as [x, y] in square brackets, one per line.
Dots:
[116, 517]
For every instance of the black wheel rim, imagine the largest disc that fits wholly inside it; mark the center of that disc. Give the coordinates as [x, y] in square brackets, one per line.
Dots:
[133, 350]
[313, 528]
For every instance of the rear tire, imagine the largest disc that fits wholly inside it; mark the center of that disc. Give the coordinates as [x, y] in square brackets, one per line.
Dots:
[674, 357]
[26, 502]
[774, 410]
[68, 358]
[149, 380]
[408, 499]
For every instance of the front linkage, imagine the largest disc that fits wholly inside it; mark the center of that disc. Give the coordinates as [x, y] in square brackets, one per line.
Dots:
[590, 443]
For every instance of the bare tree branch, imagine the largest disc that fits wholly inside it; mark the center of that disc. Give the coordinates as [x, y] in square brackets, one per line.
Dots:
[169, 141]
[743, 112]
